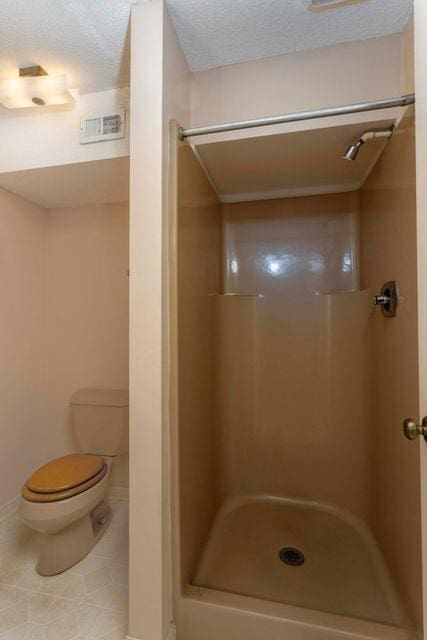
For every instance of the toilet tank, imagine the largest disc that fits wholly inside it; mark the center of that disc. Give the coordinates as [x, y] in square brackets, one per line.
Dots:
[101, 420]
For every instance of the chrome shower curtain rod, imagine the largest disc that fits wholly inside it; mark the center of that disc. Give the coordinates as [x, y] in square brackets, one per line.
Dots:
[402, 101]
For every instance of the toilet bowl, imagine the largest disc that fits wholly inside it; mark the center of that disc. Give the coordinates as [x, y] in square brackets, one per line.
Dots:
[66, 499]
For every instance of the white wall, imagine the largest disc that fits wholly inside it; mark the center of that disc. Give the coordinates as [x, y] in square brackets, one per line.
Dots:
[160, 90]
[22, 342]
[32, 138]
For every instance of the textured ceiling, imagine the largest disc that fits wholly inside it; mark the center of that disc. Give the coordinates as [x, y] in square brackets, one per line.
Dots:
[89, 39]
[214, 33]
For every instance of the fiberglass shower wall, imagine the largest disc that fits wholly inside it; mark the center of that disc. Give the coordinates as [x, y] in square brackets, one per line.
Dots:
[388, 252]
[198, 278]
[292, 379]
[272, 354]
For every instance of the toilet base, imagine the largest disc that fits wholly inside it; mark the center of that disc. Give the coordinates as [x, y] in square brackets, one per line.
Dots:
[65, 548]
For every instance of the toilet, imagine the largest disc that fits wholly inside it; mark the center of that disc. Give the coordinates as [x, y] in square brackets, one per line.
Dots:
[66, 499]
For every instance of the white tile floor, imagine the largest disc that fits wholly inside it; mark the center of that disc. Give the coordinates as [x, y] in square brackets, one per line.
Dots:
[87, 602]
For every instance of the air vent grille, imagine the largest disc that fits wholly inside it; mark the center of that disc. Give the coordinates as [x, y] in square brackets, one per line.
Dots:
[97, 127]
[111, 124]
[93, 127]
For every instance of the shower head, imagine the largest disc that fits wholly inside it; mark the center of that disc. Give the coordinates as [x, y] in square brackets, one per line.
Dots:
[353, 150]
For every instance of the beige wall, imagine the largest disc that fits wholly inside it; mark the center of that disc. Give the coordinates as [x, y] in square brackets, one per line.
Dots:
[64, 325]
[408, 62]
[199, 277]
[87, 317]
[22, 342]
[388, 241]
[336, 75]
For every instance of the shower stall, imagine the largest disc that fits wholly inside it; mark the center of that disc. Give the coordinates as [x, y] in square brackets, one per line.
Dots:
[294, 485]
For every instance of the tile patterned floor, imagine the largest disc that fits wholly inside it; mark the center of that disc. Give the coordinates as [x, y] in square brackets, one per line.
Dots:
[87, 602]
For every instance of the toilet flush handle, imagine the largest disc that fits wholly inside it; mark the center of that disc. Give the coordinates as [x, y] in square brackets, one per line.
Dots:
[412, 430]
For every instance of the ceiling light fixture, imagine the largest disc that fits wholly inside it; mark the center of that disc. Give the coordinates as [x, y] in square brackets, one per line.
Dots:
[35, 88]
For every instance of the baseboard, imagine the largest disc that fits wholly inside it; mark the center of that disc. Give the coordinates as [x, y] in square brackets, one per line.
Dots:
[118, 493]
[9, 509]
[171, 635]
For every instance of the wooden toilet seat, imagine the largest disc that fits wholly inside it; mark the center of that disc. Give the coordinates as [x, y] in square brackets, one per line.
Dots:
[64, 478]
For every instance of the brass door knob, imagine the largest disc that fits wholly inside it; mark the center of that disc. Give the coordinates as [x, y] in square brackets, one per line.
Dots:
[412, 430]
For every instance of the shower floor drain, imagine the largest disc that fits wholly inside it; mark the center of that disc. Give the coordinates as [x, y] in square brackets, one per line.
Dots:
[291, 556]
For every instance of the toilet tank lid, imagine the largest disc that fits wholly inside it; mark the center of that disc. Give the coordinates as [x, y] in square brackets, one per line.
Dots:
[100, 397]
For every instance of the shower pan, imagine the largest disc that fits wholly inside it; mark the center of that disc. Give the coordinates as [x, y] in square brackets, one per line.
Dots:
[330, 563]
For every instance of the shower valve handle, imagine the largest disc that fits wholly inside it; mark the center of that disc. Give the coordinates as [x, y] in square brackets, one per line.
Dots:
[412, 430]
[387, 300]
[379, 300]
